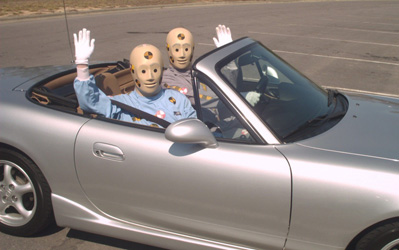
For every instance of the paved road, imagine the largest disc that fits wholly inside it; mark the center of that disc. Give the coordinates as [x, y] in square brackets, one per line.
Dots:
[353, 45]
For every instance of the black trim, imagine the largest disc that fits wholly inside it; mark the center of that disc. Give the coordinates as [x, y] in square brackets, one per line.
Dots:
[141, 113]
[197, 100]
[213, 51]
[56, 99]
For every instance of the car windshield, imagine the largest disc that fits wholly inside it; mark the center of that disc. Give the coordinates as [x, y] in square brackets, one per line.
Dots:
[290, 104]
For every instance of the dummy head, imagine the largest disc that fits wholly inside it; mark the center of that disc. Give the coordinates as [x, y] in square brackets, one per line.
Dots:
[180, 46]
[146, 68]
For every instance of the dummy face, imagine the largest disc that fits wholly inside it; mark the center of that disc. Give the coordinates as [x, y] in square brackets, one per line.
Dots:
[146, 68]
[180, 46]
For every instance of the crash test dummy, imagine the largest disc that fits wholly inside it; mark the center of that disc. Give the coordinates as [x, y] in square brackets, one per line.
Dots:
[180, 48]
[148, 96]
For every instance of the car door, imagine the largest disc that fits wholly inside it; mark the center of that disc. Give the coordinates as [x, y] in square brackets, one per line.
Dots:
[239, 192]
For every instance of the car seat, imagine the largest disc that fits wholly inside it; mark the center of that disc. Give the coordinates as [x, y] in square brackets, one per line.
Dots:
[108, 83]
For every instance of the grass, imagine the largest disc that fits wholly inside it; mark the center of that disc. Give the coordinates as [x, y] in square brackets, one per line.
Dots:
[34, 7]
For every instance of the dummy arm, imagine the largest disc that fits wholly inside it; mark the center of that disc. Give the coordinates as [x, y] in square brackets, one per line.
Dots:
[84, 47]
[223, 36]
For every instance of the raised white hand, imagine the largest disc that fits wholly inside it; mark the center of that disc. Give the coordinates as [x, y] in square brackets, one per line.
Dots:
[223, 36]
[84, 47]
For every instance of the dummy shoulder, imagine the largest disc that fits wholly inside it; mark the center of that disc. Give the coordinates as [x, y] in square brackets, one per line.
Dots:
[174, 96]
[85, 84]
[171, 92]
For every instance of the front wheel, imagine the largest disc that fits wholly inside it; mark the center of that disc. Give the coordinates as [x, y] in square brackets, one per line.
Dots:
[25, 205]
[384, 237]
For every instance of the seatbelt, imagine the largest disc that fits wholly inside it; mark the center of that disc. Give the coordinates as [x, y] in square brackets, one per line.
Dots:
[141, 114]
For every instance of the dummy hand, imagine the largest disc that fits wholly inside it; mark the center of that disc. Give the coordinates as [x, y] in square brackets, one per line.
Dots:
[83, 47]
[252, 97]
[223, 36]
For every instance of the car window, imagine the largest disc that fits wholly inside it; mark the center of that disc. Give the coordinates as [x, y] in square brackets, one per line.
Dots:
[283, 98]
[214, 112]
[249, 73]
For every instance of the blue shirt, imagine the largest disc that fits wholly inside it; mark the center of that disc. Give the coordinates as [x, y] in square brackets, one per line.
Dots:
[168, 104]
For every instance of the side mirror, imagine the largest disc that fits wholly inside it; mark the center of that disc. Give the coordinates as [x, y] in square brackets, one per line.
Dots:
[191, 131]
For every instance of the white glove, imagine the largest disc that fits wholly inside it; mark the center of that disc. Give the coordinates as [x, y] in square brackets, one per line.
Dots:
[252, 97]
[83, 47]
[223, 36]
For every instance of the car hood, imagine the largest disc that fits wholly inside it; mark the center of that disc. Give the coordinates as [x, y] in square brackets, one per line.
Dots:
[369, 128]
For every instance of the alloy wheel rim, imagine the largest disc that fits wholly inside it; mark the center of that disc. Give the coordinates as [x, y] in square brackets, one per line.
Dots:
[18, 200]
[394, 245]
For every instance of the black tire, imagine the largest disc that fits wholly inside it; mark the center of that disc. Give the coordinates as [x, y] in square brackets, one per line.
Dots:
[25, 205]
[384, 237]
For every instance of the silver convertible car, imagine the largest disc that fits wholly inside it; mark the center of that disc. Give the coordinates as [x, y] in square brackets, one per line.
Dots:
[297, 167]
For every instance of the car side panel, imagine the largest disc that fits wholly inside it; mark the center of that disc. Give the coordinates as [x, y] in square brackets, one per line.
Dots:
[46, 136]
[236, 193]
[337, 195]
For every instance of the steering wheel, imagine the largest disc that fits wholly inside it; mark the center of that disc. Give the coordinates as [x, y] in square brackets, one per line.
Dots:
[262, 84]
[261, 88]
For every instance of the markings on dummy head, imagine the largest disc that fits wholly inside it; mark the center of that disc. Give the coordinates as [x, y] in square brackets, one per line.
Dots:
[138, 83]
[132, 68]
[181, 36]
[171, 59]
[167, 46]
[172, 100]
[148, 55]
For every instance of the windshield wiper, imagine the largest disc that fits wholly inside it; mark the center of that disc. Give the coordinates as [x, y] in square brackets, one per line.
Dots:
[308, 124]
[332, 93]
[323, 118]
[338, 111]
[316, 122]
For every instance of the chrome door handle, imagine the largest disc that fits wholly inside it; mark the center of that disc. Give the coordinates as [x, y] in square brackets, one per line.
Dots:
[108, 151]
